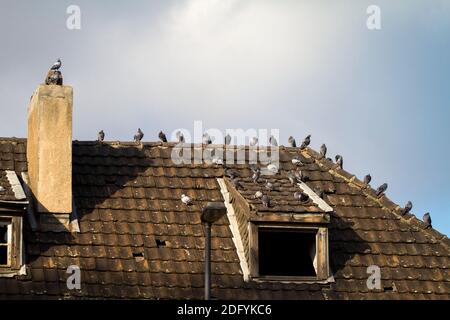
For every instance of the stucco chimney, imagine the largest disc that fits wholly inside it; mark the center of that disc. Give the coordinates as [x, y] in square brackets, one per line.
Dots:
[49, 148]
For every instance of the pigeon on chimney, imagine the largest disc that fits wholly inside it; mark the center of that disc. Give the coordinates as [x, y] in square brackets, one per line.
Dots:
[162, 136]
[427, 220]
[407, 208]
[265, 201]
[186, 199]
[292, 142]
[381, 189]
[253, 141]
[273, 142]
[101, 136]
[56, 65]
[180, 137]
[227, 139]
[54, 76]
[323, 151]
[139, 135]
[367, 179]
[339, 161]
[306, 142]
[206, 138]
[256, 175]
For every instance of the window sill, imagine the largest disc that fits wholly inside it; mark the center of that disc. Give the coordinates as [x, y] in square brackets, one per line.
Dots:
[295, 280]
[9, 273]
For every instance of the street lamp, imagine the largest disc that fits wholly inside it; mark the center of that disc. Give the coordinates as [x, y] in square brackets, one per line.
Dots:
[211, 213]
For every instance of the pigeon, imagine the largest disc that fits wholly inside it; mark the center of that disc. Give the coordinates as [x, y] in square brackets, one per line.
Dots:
[381, 189]
[306, 142]
[256, 175]
[269, 185]
[231, 173]
[2, 189]
[186, 200]
[139, 135]
[162, 136]
[407, 208]
[339, 161]
[265, 201]
[427, 219]
[206, 138]
[323, 151]
[236, 183]
[272, 168]
[101, 136]
[217, 161]
[300, 176]
[227, 139]
[319, 191]
[56, 65]
[180, 137]
[291, 177]
[258, 194]
[253, 141]
[273, 142]
[297, 161]
[303, 197]
[292, 142]
[367, 179]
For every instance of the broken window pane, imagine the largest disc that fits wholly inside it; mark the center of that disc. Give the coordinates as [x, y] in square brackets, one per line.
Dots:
[3, 255]
[3, 233]
[286, 252]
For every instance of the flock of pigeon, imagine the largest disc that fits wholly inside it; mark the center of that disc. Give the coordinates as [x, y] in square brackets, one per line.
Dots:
[295, 176]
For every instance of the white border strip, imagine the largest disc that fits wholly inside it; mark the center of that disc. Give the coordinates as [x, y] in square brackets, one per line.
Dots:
[234, 227]
[314, 197]
[15, 185]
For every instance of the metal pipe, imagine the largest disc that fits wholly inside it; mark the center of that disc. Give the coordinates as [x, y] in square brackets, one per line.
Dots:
[208, 261]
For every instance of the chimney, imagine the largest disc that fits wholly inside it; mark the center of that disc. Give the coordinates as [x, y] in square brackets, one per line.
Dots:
[49, 148]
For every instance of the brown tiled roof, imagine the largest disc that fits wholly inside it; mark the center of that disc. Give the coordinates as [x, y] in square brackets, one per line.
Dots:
[128, 203]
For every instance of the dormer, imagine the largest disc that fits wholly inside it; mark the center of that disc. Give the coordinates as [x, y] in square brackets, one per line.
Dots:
[286, 241]
[13, 205]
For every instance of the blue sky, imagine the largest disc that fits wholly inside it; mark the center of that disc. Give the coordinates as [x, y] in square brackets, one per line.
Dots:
[380, 98]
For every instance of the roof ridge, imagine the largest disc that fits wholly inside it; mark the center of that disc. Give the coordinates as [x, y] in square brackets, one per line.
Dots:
[383, 201]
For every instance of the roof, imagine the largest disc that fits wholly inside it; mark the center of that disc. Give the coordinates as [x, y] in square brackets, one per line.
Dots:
[128, 202]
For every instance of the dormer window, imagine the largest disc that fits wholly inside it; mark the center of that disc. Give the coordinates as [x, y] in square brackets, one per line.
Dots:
[10, 243]
[5, 242]
[288, 252]
[13, 205]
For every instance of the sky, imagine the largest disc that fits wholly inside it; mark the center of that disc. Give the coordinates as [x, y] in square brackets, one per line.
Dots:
[379, 97]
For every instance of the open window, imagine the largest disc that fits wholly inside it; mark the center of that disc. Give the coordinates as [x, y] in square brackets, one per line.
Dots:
[5, 242]
[10, 244]
[289, 252]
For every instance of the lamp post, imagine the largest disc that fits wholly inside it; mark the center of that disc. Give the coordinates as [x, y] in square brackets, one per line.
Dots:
[211, 213]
